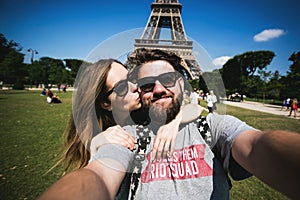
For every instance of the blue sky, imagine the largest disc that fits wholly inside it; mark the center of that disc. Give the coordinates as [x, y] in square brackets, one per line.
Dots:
[72, 28]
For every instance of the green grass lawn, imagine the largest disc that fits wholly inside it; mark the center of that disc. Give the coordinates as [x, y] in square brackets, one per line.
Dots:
[31, 141]
[253, 188]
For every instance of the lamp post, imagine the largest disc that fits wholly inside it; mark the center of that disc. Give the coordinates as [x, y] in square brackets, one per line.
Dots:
[32, 51]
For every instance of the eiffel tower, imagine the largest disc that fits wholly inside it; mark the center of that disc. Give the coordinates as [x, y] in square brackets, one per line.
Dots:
[165, 21]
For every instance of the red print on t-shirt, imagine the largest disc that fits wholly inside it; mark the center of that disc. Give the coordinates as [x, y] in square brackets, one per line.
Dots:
[185, 163]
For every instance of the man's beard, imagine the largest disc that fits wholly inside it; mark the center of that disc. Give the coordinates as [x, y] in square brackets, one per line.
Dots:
[161, 115]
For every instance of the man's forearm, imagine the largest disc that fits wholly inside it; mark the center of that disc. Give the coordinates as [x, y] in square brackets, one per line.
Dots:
[273, 157]
[79, 184]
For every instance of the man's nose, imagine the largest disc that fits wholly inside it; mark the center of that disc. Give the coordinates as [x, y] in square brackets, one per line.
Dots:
[158, 88]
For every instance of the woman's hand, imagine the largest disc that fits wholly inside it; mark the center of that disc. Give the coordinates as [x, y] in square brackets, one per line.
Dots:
[164, 143]
[115, 135]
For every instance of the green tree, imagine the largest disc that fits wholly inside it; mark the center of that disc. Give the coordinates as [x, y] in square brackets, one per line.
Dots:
[254, 60]
[231, 74]
[295, 66]
[7, 46]
[274, 86]
[202, 84]
[72, 66]
[292, 80]
[194, 83]
[49, 70]
[254, 87]
[12, 69]
[264, 75]
[36, 73]
[236, 70]
[53, 69]
[214, 81]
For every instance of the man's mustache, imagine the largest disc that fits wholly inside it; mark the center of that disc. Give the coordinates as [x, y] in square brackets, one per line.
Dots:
[155, 98]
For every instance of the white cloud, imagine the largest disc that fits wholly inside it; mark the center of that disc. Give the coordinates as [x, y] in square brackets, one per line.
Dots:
[219, 62]
[268, 34]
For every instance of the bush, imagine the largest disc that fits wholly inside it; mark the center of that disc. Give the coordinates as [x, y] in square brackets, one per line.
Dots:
[18, 86]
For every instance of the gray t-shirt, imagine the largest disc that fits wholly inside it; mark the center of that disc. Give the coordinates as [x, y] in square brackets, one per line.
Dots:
[196, 170]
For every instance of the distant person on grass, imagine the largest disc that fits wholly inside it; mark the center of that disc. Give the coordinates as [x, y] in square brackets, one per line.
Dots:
[211, 101]
[52, 98]
[294, 107]
[288, 103]
[43, 92]
[284, 104]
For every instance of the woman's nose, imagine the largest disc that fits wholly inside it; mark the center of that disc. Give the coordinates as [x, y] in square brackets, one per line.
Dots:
[132, 86]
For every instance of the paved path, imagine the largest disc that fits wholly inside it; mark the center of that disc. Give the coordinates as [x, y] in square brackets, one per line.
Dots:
[268, 108]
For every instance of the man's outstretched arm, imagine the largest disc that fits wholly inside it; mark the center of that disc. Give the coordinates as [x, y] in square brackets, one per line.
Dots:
[272, 156]
[95, 181]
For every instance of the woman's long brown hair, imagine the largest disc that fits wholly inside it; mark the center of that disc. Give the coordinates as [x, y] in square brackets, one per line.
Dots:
[88, 117]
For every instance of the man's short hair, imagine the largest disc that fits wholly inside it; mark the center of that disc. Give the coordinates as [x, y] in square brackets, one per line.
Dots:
[142, 55]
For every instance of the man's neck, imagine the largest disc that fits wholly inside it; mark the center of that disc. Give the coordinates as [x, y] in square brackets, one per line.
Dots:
[187, 114]
[155, 125]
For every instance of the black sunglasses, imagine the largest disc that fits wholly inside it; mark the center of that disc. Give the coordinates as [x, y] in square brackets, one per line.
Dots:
[120, 88]
[148, 83]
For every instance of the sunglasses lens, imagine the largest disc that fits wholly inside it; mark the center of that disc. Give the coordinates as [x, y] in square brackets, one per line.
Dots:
[147, 87]
[168, 79]
[148, 83]
[121, 88]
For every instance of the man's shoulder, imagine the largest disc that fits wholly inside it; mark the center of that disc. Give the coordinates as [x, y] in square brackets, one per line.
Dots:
[191, 112]
[216, 116]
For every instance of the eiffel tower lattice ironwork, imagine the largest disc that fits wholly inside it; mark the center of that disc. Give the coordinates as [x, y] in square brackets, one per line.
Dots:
[165, 21]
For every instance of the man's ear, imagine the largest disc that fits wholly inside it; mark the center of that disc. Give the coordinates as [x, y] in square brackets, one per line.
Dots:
[106, 106]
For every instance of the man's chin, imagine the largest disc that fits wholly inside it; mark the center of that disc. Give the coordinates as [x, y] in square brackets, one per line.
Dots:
[158, 113]
[162, 110]
[162, 102]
